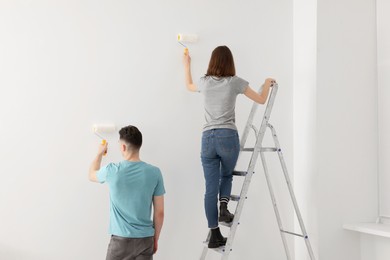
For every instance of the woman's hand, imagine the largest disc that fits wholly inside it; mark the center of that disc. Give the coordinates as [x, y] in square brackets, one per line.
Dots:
[186, 59]
[269, 82]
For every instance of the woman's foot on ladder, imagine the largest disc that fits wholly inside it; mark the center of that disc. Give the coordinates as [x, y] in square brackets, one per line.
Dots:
[216, 238]
[224, 214]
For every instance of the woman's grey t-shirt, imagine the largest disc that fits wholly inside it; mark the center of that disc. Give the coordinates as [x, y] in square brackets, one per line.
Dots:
[220, 100]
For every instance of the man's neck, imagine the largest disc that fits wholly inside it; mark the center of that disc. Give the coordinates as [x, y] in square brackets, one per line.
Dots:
[132, 157]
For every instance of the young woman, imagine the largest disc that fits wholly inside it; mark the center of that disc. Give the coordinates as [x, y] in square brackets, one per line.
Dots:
[220, 143]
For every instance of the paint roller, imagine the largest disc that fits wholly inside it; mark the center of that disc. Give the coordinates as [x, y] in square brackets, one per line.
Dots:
[103, 129]
[186, 38]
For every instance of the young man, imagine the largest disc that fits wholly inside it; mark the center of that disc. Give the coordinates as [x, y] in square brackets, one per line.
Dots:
[134, 187]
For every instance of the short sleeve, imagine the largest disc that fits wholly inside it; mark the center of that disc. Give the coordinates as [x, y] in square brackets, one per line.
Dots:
[240, 84]
[201, 84]
[160, 189]
[105, 172]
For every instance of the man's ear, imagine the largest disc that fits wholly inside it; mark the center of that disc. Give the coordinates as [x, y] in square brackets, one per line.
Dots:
[124, 147]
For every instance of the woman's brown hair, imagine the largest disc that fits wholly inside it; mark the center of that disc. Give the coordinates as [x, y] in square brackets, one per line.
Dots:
[221, 63]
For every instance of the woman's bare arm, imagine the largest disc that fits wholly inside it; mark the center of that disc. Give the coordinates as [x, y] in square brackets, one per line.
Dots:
[187, 72]
[262, 97]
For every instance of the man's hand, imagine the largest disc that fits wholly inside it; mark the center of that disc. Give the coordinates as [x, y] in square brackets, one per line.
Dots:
[95, 166]
[158, 218]
[155, 245]
[103, 147]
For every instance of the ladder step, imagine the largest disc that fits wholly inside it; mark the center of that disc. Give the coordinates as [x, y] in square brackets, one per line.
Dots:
[226, 224]
[220, 249]
[239, 173]
[263, 149]
[292, 233]
[234, 197]
[269, 149]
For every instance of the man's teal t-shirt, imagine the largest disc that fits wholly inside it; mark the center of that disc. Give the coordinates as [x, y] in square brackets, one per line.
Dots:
[132, 186]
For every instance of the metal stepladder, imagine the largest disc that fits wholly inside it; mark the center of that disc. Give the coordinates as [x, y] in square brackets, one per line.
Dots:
[256, 151]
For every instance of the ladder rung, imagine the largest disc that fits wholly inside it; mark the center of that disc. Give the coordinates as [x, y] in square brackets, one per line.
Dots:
[239, 173]
[269, 149]
[220, 249]
[263, 149]
[226, 224]
[235, 197]
[292, 233]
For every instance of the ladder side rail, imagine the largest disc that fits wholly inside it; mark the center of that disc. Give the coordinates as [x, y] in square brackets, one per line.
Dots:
[271, 101]
[287, 178]
[204, 253]
[252, 114]
[274, 204]
[248, 126]
[291, 191]
[205, 248]
[252, 164]
[240, 204]
[248, 177]
[264, 122]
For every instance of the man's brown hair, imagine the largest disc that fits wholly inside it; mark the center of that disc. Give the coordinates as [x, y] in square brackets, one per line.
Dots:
[131, 136]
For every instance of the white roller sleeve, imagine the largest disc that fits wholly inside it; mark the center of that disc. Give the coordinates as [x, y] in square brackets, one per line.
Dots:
[104, 128]
[187, 37]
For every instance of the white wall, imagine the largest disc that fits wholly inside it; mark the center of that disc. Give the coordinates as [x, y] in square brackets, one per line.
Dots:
[383, 21]
[68, 64]
[374, 247]
[346, 123]
[305, 126]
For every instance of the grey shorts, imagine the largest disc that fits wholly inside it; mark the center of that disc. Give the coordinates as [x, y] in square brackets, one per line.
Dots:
[123, 248]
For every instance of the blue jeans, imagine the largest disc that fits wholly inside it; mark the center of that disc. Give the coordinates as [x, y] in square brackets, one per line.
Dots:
[220, 149]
